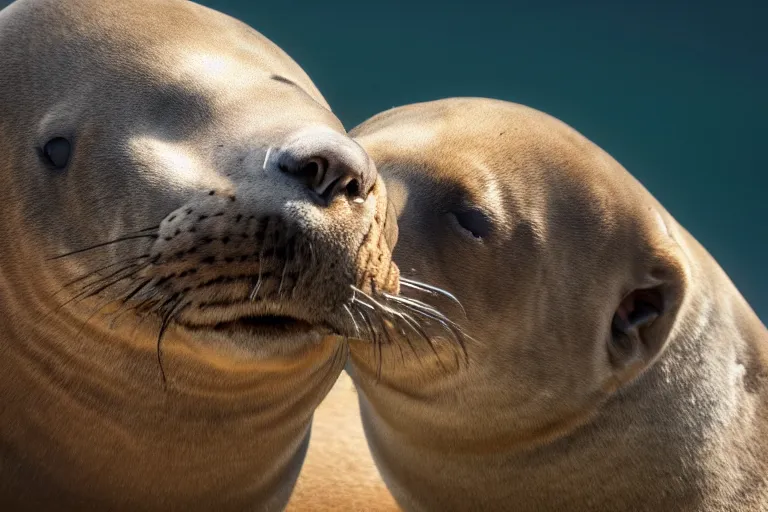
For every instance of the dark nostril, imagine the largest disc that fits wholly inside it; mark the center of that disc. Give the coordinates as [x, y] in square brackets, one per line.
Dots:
[309, 173]
[353, 188]
[312, 172]
[310, 169]
[329, 165]
[326, 179]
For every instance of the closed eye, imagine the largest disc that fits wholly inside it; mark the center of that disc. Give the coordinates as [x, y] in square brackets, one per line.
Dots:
[473, 221]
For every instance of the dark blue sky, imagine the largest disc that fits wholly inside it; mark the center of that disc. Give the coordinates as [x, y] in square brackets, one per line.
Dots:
[676, 91]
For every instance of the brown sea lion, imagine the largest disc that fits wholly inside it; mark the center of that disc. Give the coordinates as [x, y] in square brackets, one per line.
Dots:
[183, 221]
[610, 362]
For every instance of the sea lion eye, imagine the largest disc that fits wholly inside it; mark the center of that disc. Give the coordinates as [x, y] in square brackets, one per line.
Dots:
[57, 151]
[474, 221]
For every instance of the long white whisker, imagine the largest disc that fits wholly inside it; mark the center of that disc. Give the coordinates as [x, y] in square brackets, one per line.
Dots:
[434, 290]
[449, 325]
[349, 312]
[376, 303]
[358, 301]
[417, 304]
[266, 158]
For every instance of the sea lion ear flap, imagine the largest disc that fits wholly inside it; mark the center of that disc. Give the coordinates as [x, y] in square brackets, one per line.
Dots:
[644, 318]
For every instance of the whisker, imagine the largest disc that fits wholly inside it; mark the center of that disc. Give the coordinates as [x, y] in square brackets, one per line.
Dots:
[358, 301]
[371, 334]
[446, 323]
[101, 279]
[103, 244]
[266, 158]
[417, 307]
[122, 310]
[351, 316]
[160, 304]
[299, 249]
[91, 273]
[398, 314]
[368, 323]
[151, 228]
[112, 283]
[417, 304]
[84, 294]
[255, 290]
[424, 309]
[178, 311]
[136, 290]
[149, 300]
[166, 320]
[433, 290]
[377, 355]
[144, 316]
[457, 333]
[428, 310]
[412, 323]
[370, 298]
[282, 278]
[391, 340]
[401, 335]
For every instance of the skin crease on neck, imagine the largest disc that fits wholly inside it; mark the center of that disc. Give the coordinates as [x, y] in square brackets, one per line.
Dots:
[196, 145]
[611, 363]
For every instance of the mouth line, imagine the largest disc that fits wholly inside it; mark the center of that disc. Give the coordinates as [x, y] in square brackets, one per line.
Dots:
[258, 324]
[263, 325]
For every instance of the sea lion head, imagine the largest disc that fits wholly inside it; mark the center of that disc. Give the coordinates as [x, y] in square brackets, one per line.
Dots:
[188, 171]
[569, 274]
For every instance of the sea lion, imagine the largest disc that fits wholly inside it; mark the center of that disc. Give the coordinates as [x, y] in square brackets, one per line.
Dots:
[610, 362]
[183, 222]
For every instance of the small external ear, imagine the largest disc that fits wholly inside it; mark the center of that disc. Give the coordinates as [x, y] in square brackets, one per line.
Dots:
[643, 321]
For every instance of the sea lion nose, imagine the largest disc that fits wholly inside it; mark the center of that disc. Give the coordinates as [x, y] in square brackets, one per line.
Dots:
[328, 163]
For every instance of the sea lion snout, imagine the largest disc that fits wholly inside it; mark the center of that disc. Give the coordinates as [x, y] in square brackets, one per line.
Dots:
[327, 163]
[285, 232]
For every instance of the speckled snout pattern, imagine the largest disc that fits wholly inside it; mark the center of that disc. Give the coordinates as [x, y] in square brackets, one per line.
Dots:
[223, 260]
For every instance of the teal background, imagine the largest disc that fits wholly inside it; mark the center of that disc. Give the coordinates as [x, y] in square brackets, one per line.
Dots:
[676, 91]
